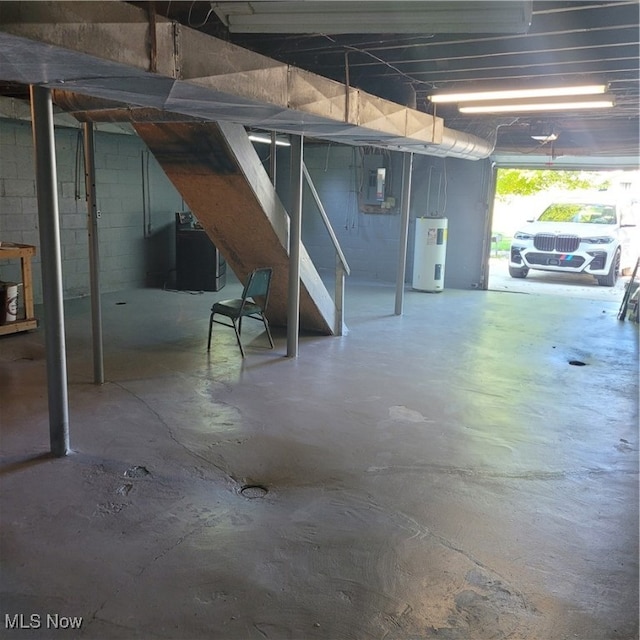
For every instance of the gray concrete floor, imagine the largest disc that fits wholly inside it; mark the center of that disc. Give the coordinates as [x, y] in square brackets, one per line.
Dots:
[446, 474]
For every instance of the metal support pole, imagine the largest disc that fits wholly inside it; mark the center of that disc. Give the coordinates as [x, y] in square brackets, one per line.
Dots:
[407, 168]
[49, 224]
[295, 236]
[486, 248]
[273, 164]
[339, 297]
[94, 251]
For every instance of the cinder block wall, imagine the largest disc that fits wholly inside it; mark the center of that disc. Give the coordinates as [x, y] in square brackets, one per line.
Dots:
[369, 240]
[450, 187]
[459, 190]
[136, 252]
[133, 252]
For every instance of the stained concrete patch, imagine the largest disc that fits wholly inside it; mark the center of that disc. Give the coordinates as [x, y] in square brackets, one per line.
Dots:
[624, 446]
[404, 414]
[136, 471]
[124, 489]
[490, 608]
[109, 508]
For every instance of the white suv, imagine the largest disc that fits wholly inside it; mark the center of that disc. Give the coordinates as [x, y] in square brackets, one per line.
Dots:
[573, 237]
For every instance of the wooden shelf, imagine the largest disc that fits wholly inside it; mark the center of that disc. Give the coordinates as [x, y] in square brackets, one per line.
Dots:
[25, 252]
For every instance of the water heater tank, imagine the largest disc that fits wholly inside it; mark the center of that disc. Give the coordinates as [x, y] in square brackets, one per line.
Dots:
[429, 254]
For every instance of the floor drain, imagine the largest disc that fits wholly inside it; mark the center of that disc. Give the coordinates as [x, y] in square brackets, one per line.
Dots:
[577, 363]
[254, 491]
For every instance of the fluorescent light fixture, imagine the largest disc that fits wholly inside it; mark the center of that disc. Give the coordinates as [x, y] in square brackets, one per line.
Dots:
[380, 16]
[550, 137]
[510, 94]
[543, 132]
[267, 140]
[515, 106]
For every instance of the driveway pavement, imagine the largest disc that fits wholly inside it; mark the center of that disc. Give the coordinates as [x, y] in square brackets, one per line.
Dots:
[574, 285]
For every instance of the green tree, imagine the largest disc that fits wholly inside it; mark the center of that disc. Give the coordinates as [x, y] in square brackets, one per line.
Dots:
[526, 182]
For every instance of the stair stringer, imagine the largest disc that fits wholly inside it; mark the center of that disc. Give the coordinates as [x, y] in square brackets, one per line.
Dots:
[221, 178]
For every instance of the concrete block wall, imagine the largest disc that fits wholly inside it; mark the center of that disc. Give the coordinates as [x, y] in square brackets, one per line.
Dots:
[457, 189]
[135, 253]
[132, 254]
[370, 241]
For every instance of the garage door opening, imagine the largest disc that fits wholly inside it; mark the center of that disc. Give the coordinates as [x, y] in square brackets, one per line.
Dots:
[565, 233]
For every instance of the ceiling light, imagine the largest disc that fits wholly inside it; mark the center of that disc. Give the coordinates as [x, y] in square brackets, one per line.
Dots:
[381, 16]
[508, 94]
[515, 106]
[542, 132]
[550, 137]
[267, 140]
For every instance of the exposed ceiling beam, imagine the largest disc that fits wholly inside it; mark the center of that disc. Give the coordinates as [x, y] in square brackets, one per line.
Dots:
[539, 69]
[566, 38]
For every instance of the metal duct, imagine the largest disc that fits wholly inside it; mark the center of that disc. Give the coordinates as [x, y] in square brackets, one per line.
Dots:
[89, 109]
[102, 50]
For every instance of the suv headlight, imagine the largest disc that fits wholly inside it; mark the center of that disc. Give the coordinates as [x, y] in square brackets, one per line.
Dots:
[521, 235]
[598, 240]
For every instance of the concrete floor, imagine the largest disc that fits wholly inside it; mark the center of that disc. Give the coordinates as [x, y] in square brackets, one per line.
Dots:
[446, 474]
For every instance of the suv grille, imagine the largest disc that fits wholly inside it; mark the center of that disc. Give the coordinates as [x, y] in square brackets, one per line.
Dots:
[545, 259]
[549, 242]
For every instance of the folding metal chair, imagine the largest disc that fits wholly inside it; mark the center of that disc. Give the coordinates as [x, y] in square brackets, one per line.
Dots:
[252, 304]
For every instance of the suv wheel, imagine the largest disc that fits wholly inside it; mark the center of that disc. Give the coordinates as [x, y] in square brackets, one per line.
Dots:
[518, 272]
[610, 279]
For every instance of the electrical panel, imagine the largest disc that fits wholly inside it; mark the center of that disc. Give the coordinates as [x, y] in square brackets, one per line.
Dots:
[375, 176]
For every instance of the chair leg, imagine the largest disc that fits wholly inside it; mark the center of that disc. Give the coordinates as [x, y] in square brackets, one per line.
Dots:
[235, 328]
[266, 326]
[210, 330]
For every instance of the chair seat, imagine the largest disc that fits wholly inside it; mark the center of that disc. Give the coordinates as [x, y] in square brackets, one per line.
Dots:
[232, 307]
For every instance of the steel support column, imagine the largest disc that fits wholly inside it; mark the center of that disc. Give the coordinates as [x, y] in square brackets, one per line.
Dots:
[490, 195]
[273, 162]
[407, 168]
[339, 297]
[94, 252]
[49, 224]
[295, 237]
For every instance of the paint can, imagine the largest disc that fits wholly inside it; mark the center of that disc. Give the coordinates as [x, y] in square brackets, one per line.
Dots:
[8, 302]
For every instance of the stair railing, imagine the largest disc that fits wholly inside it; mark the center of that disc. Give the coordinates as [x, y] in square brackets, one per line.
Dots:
[342, 267]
